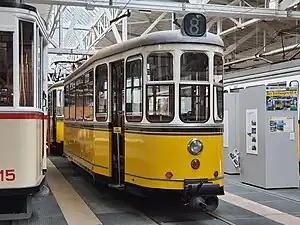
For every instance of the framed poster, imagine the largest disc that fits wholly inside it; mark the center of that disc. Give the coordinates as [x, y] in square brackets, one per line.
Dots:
[251, 132]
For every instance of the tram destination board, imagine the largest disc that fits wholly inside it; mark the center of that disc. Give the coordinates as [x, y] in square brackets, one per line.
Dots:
[194, 24]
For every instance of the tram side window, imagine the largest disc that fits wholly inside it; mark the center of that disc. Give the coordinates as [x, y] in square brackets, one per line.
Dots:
[89, 96]
[72, 100]
[79, 98]
[59, 105]
[50, 104]
[218, 69]
[101, 94]
[218, 89]
[194, 66]
[194, 103]
[39, 64]
[66, 105]
[134, 111]
[6, 68]
[219, 103]
[160, 66]
[160, 103]
[26, 63]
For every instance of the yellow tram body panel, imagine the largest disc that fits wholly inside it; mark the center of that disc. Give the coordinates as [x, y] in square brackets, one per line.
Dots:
[150, 156]
[59, 130]
[89, 147]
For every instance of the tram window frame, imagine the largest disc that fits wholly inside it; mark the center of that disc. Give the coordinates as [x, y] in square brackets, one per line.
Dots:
[216, 71]
[218, 89]
[88, 84]
[7, 98]
[26, 98]
[133, 87]
[79, 96]
[194, 76]
[38, 68]
[207, 113]
[66, 102]
[59, 100]
[50, 100]
[170, 77]
[98, 79]
[171, 103]
[72, 97]
[218, 111]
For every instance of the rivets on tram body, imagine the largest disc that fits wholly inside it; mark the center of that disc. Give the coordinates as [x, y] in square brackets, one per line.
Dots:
[169, 175]
[216, 173]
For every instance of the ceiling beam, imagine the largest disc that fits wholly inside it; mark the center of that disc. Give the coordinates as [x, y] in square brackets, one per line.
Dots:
[66, 51]
[285, 4]
[233, 47]
[158, 19]
[276, 49]
[170, 6]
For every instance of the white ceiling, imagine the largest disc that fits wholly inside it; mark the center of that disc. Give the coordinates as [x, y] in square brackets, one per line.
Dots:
[262, 36]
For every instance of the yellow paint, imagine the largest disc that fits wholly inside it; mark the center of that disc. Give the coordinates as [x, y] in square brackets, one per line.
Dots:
[59, 131]
[91, 148]
[281, 93]
[153, 156]
[148, 157]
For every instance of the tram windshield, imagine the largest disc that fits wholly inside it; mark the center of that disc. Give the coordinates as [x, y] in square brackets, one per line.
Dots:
[194, 66]
[194, 98]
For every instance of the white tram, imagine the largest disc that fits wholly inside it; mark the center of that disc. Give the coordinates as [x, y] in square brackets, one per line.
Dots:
[23, 107]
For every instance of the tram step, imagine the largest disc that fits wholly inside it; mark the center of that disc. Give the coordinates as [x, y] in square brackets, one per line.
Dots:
[117, 186]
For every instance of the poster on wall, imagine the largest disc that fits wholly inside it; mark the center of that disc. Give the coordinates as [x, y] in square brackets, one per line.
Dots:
[251, 131]
[225, 132]
[235, 157]
[281, 98]
[281, 124]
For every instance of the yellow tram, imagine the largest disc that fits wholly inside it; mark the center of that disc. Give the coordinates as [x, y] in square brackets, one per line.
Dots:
[56, 118]
[146, 114]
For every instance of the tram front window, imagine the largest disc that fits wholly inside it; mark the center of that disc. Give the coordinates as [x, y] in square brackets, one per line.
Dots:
[194, 103]
[160, 66]
[160, 103]
[194, 66]
[6, 68]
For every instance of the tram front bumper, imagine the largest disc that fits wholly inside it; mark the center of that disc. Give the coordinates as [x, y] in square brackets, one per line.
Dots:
[202, 187]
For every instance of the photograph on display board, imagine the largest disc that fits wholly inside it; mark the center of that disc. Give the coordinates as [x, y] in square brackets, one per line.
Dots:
[281, 124]
[281, 98]
[251, 131]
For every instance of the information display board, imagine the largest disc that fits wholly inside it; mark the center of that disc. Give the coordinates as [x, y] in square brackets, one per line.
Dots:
[281, 98]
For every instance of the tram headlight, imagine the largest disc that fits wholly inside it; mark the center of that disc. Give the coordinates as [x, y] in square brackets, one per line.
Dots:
[195, 146]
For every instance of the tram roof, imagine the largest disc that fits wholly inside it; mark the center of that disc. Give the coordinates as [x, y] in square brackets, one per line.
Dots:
[18, 5]
[56, 84]
[160, 37]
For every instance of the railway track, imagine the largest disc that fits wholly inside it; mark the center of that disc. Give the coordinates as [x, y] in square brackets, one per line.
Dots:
[161, 212]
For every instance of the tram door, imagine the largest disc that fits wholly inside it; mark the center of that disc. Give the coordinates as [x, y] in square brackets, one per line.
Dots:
[118, 145]
[53, 127]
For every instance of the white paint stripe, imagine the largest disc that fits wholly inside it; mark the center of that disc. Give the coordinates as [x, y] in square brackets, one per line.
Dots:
[260, 209]
[75, 211]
